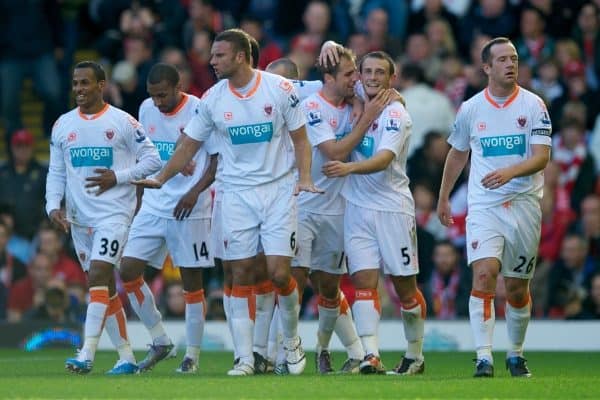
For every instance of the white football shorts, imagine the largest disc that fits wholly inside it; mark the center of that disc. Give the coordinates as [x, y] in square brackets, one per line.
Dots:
[380, 239]
[104, 243]
[509, 232]
[320, 243]
[267, 212]
[151, 238]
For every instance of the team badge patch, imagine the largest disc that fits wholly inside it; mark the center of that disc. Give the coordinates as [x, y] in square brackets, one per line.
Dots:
[474, 244]
[71, 137]
[481, 126]
[314, 118]
[522, 121]
[374, 125]
[268, 108]
[333, 122]
[82, 257]
[110, 134]
[227, 116]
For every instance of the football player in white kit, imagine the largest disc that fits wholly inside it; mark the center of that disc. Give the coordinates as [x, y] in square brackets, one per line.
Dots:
[321, 217]
[507, 131]
[379, 223]
[96, 150]
[174, 220]
[258, 115]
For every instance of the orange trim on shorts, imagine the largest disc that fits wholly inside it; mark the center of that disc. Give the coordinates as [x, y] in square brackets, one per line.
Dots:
[135, 287]
[488, 301]
[99, 295]
[288, 289]
[418, 300]
[246, 292]
[328, 303]
[366, 295]
[521, 304]
[264, 287]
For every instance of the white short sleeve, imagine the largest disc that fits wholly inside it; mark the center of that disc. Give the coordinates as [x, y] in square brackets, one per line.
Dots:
[461, 131]
[541, 129]
[201, 124]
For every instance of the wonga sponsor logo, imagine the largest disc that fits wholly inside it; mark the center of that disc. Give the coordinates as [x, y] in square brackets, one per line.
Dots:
[365, 147]
[255, 133]
[508, 145]
[165, 149]
[91, 157]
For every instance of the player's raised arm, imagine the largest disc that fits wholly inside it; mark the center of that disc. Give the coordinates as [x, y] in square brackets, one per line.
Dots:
[183, 154]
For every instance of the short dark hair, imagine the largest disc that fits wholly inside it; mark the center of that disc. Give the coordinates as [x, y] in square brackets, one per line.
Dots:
[380, 55]
[343, 52]
[254, 51]
[238, 39]
[412, 72]
[95, 67]
[163, 72]
[486, 51]
[290, 67]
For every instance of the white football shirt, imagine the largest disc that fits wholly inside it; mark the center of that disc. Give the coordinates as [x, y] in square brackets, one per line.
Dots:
[385, 190]
[80, 144]
[325, 121]
[499, 136]
[256, 146]
[164, 130]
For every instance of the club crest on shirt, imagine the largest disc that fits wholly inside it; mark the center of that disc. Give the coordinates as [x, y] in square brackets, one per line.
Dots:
[110, 134]
[333, 122]
[151, 129]
[474, 244]
[374, 125]
[521, 121]
[71, 137]
[82, 256]
[481, 126]
[227, 115]
[268, 108]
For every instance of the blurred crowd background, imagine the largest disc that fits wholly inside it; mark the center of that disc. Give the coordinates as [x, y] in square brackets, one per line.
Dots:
[436, 45]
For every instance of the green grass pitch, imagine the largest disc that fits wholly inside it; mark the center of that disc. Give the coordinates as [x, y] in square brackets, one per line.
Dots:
[557, 375]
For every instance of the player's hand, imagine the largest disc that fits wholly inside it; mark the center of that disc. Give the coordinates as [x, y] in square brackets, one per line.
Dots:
[329, 53]
[105, 180]
[149, 183]
[396, 96]
[59, 219]
[496, 178]
[186, 204]
[189, 169]
[375, 106]
[307, 186]
[336, 169]
[444, 212]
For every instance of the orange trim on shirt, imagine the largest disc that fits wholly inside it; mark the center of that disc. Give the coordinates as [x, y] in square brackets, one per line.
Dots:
[184, 99]
[326, 100]
[250, 92]
[510, 99]
[95, 116]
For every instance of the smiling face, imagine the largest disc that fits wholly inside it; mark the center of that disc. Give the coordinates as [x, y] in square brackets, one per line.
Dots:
[503, 64]
[376, 75]
[345, 78]
[87, 90]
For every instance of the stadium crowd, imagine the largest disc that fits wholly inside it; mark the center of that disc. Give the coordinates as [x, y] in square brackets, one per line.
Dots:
[436, 45]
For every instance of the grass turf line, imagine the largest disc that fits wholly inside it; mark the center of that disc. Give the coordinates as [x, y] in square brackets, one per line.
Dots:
[557, 375]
